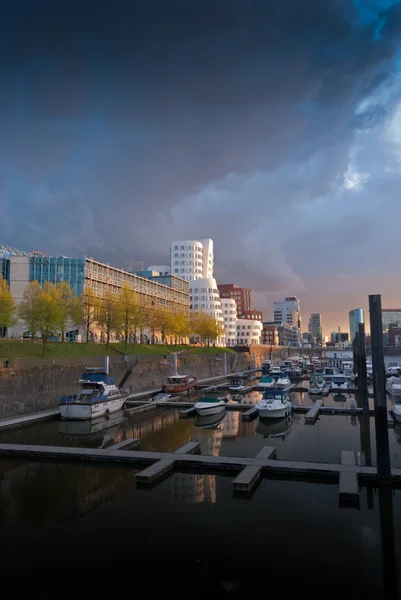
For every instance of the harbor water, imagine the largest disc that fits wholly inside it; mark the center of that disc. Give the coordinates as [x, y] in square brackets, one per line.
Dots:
[189, 534]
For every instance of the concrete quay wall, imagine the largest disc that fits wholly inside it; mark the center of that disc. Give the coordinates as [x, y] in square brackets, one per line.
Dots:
[32, 385]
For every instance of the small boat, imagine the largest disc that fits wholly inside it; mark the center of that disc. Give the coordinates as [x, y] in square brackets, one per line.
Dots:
[209, 421]
[275, 404]
[297, 372]
[161, 397]
[266, 366]
[393, 386]
[178, 384]
[339, 382]
[314, 388]
[211, 404]
[283, 381]
[397, 411]
[99, 396]
[266, 382]
[393, 371]
[275, 371]
[237, 386]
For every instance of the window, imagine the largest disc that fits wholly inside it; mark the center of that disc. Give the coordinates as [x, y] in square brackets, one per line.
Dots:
[176, 270]
[182, 247]
[175, 247]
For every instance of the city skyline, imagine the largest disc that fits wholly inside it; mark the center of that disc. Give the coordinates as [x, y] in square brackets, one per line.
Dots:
[270, 127]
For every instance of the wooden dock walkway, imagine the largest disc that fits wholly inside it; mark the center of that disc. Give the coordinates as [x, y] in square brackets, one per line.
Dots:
[251, 475]
[348, 480]
[313, 413]
[194, 462]
[29, 419]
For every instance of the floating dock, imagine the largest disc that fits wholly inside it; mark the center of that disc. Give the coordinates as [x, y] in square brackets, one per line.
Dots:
[348, 480]
[313, 413]
[251, 475]
[29, 419]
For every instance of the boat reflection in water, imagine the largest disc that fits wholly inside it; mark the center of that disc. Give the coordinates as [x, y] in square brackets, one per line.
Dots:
[103, 429]
[274, 429]
[209, 421]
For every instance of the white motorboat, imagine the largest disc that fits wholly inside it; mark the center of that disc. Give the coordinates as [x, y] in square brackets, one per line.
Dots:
[397, 410]
[267, 382]
[339, 382]
[275, 371]
[297, 372]
[392, 371]
[237, 386]
[212, 404]
[283, 381]
[393, 386]
[266, 366]
[99, 396]
[275, 404]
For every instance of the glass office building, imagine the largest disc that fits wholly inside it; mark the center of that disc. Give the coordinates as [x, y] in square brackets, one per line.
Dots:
[58, 269]
[355, 317]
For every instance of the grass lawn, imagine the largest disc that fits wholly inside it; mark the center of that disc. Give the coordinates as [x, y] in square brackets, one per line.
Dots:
[16, 349]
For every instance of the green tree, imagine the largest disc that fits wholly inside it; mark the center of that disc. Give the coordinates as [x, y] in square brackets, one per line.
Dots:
[28, 309]
[8, 308]
[180, 327]
[206, 327]
[164, 323]
[109, 315]
[90, 306]
[128, 312]
[65, 304]
[48, 312]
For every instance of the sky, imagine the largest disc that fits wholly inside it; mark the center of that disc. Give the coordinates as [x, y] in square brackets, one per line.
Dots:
[271, 126]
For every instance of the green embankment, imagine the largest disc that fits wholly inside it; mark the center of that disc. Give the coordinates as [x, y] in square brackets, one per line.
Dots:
[27, 349]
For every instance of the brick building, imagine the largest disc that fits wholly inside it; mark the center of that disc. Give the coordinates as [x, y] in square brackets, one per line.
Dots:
[242, 296]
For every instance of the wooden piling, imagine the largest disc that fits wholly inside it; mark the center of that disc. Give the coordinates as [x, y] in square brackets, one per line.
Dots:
[379, 387]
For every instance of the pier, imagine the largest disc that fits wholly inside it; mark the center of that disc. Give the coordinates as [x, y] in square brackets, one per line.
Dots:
[166, 462]
[313, 412]
[348, 480]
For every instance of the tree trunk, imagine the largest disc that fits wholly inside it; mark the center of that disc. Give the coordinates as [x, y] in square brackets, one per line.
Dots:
[62, 335]
[44, 345]
[87, 331]
[126, 337]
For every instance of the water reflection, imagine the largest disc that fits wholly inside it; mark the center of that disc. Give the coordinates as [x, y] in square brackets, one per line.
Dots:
[274, 429]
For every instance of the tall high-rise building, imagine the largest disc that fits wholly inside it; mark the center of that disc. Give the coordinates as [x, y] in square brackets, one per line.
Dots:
[390, 316]
[355, 317]
[315, 328]
[192, 259]
[288, 311]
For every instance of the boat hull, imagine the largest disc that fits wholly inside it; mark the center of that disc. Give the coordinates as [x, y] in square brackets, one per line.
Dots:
[80, 411]
[176, 388]
[274, 413]
[397, 414]
[315, 391]
[210, 410]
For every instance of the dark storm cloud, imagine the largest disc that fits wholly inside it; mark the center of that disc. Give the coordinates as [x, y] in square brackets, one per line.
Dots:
[127, 124]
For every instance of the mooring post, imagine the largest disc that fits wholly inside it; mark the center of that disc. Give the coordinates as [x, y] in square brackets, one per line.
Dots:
[175, 363]
[379, 390]
[106, 364]
[363, 377]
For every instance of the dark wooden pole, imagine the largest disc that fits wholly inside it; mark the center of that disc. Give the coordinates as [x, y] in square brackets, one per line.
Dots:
[379, 390]
[363, 376]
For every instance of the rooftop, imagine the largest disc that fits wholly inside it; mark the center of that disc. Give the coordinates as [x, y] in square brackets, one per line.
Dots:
[7, 251]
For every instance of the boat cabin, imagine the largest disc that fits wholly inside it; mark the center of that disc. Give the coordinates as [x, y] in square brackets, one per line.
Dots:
[281, 395]
[177, 379]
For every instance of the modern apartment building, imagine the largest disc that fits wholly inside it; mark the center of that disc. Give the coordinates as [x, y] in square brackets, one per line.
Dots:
[192, 259]
[355, 317]
[229, 309]
[249, 333]
[242, 296]
[251, 314]
[288, 335]
[287, 311]
[316, 329]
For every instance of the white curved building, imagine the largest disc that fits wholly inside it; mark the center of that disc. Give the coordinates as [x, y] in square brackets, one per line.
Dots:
[192, 259]
[204, 296]
[249, 332]
[229, 309]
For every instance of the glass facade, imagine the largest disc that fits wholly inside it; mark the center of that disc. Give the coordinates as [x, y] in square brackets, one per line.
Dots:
[5, 269]
[57, 269]
[355, 317]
